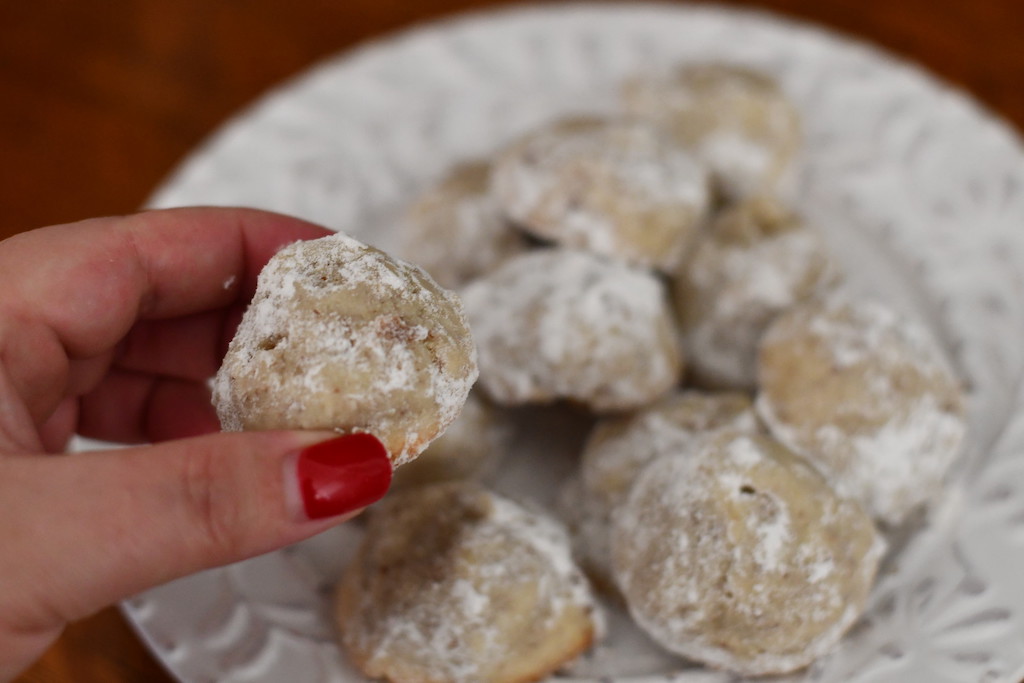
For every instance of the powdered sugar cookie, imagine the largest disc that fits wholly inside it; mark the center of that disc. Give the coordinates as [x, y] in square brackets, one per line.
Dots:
[561, 324]
[341, 336]
[867, 397]
[614, 188]
[757, 259]
[618, 448]
[742, 557]
[453, 583]
[455, 231]
[735, 119]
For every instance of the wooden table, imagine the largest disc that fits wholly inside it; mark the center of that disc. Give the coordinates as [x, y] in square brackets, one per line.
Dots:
[100, 100]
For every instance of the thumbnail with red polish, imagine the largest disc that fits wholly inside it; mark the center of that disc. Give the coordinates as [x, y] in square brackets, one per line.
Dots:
[342, 475]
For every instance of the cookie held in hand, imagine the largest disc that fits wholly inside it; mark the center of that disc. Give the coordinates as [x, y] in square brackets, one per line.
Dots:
[341, 336]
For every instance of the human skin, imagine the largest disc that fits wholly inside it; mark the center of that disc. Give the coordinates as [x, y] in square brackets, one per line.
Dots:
[110, 328]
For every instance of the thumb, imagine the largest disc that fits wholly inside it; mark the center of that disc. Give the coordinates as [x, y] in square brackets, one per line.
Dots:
[93, 528]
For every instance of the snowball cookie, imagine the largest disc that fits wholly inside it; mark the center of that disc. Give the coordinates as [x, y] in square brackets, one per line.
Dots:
[742, 557]
[619, 447]
[757, 259]
[734, 119]
[341, 336]
[455, 230]
[453, 583]
[617, 450]
[614, 188]
[561, 324]
[469, 449]
[867, 397]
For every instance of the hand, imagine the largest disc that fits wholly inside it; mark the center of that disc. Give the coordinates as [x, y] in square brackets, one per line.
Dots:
[110, 328]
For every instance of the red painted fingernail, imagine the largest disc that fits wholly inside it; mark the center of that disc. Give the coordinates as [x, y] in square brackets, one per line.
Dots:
[342, 475]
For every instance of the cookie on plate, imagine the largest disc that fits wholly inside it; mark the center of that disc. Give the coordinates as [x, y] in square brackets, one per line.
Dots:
[735, 119]
[742, 557]
[559, 324]
[865, 395]
[618, 449]
[453, 583]
[757, 259]
[455, 231]
[619, 189]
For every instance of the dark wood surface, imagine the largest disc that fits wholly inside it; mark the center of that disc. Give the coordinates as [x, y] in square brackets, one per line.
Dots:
[100, 100]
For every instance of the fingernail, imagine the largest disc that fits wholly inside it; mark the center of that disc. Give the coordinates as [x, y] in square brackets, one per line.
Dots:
[342, 475]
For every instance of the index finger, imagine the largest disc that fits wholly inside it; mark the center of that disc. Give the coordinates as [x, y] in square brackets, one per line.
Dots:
[74, 291]
[90, 281]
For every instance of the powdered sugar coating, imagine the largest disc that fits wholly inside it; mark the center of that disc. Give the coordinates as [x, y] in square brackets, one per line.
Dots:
[455, 230]
[619, 448]
[742, 557]
[867, 396]
[757, 259]
[734, 119]
[454, 583]
[617, 189]
[561, 324]
[341, 336]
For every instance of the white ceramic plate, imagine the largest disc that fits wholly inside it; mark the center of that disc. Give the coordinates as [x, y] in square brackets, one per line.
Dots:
[921, 192]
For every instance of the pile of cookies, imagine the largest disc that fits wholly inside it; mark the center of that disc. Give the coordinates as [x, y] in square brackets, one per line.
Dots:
[756, 427]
